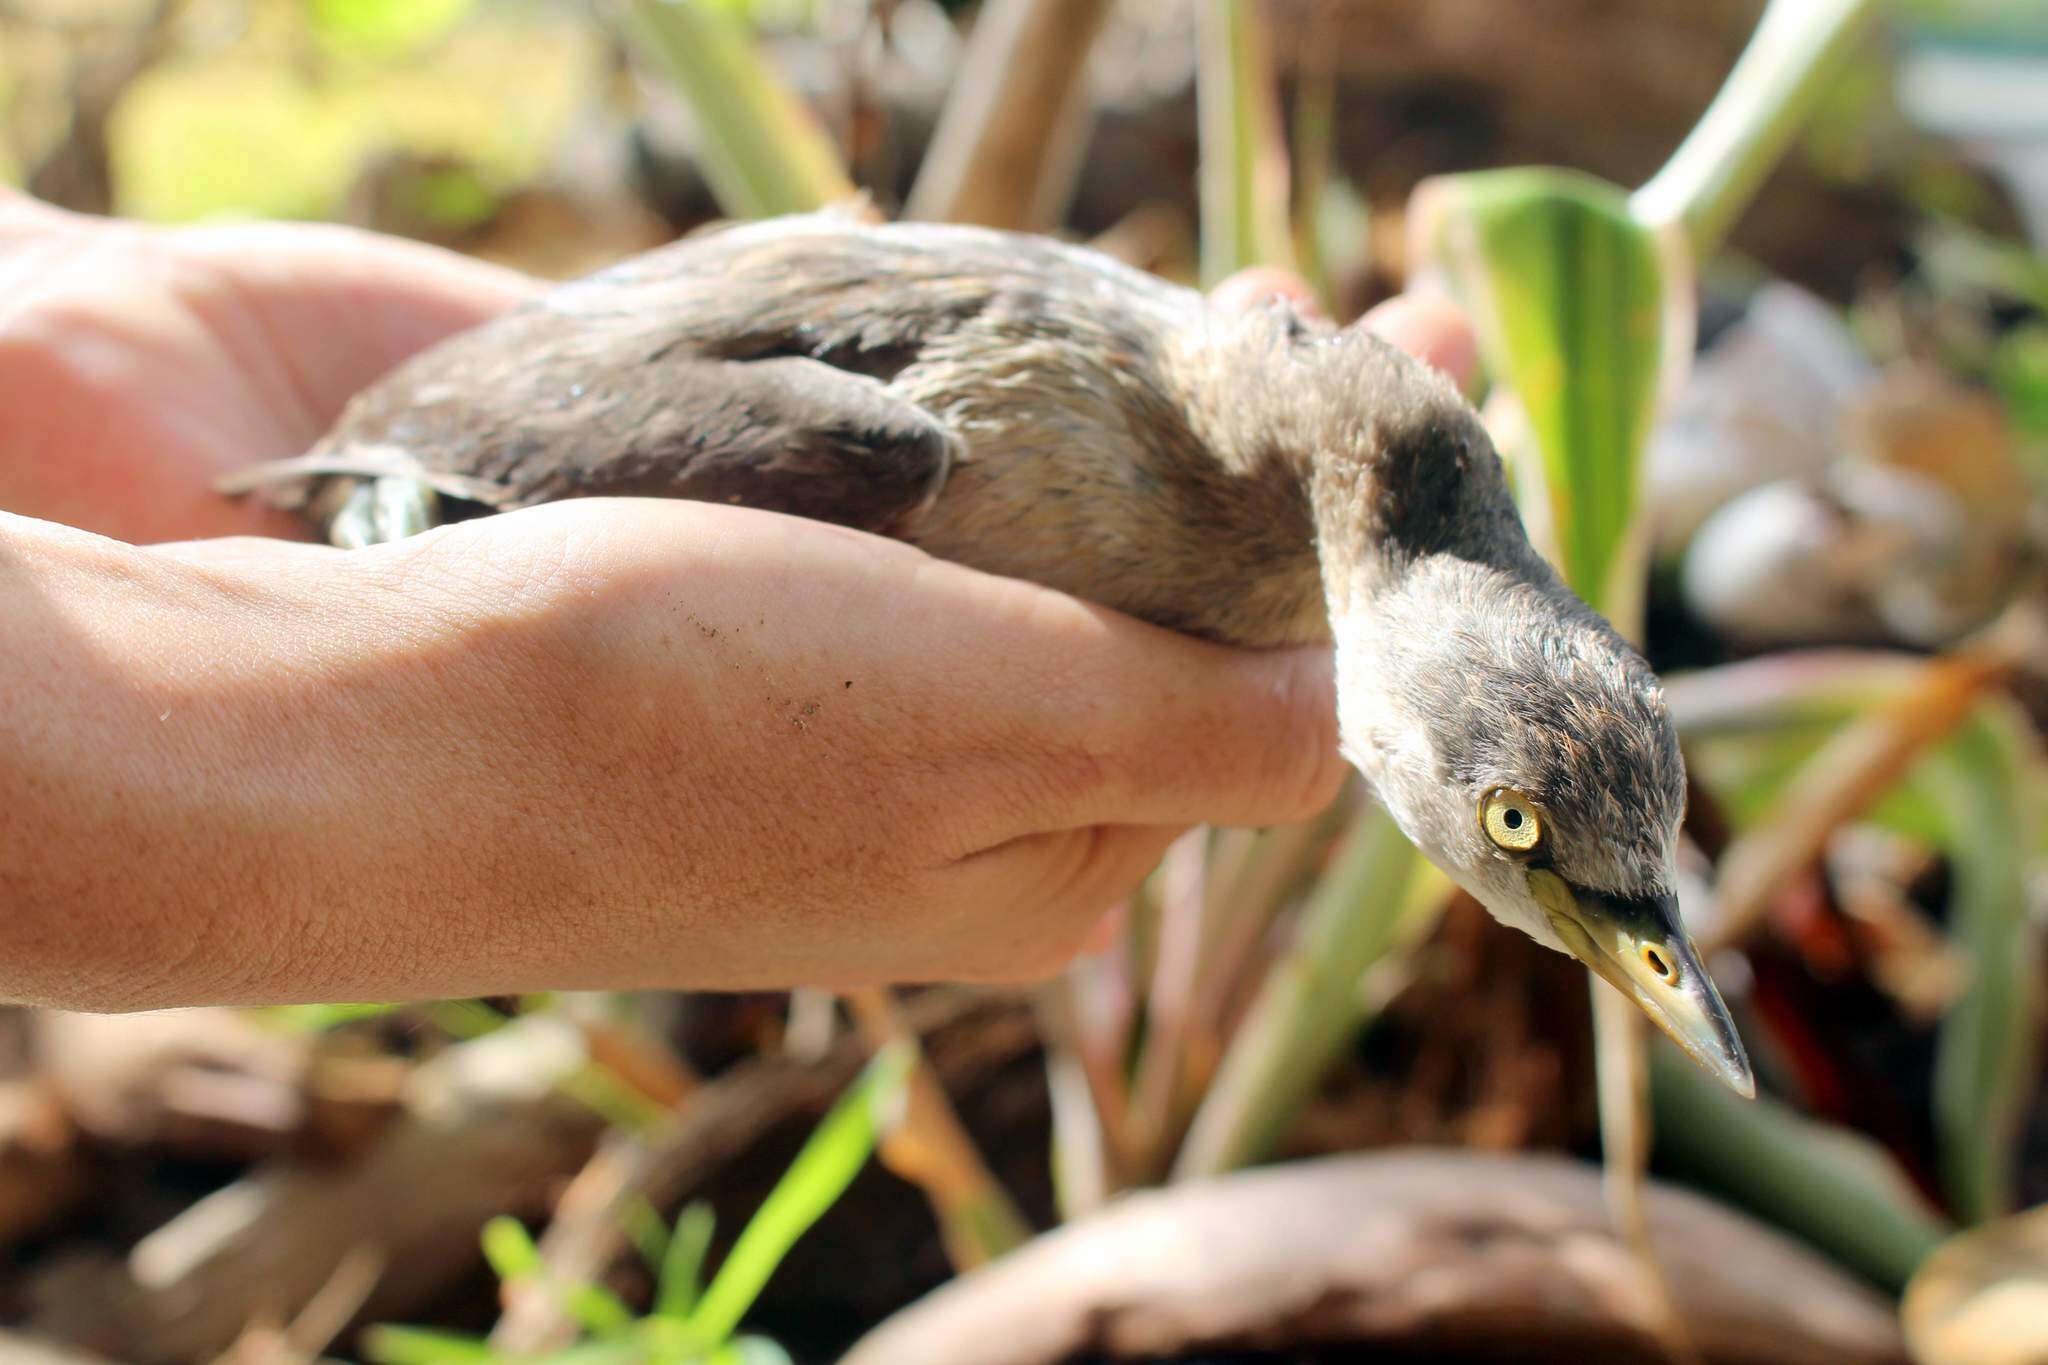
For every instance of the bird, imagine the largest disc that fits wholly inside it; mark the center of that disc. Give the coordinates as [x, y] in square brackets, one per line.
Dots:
[1036, 409]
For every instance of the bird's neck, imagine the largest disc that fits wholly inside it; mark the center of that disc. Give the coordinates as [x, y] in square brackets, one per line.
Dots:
[1392, 468]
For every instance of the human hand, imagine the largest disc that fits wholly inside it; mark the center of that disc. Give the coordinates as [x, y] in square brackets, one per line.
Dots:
[138, 364]
[593, 744]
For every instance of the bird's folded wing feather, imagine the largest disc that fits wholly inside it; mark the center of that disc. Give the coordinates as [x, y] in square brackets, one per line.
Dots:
[552, 402]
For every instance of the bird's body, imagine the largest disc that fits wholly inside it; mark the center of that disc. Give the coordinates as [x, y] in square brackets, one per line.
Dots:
[1037, 410]
[1007, 402]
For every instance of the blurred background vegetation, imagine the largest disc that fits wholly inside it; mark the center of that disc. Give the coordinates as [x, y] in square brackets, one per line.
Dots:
[1774, 382]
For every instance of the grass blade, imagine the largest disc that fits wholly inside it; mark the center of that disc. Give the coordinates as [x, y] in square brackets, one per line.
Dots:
[682, 1264]
[510, 1250]
[1986, 782]
[389, 1345]
[931, 1148]
[821, 1172]
[1244, 156]
[763, 151]
[1309, 1007]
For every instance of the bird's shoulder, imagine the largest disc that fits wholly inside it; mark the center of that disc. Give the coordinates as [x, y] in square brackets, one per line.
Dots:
[866, 297]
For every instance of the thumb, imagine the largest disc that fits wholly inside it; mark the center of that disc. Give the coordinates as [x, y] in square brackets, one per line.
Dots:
[1236, 737]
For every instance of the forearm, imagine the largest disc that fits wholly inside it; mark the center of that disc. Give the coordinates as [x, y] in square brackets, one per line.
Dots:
[219, 780]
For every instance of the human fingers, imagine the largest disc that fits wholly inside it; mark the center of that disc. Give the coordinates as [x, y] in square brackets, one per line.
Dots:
[1124, 722]
[1431, 328]
[1106, 719]
[1040, 899]
[1259, 285]
[334, 307]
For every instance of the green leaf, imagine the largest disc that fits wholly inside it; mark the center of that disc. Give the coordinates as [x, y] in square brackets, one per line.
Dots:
[385, 30]
[763, 150]
[682, 1268]
[1570, 298]
[1374, 899]
[510, 1249]
[820, 1174]
[1835, 1188]
[1788, 65]
[647, 1231]
[1244, 156]
[597, 1310]
[670, 1341]
[317, 1018]
[1986, 780]
[1976, 797]
[391, 1345]
[2019, 373]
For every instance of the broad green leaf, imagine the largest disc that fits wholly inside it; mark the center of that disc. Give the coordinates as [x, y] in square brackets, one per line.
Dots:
[389, 1345]
[763, 151]
[1571, 302]
[820, 1174]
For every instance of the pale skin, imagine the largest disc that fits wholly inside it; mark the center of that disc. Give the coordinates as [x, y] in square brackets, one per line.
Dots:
[596, 744]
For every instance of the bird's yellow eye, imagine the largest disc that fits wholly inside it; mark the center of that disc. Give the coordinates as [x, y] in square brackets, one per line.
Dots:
[1511, 821]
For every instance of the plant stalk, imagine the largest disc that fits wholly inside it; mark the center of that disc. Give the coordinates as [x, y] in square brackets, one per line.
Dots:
[1721, 164]
[1310, 1005]
[763, 150]
[1244, 171]
[931, 1148]
[1008, 147]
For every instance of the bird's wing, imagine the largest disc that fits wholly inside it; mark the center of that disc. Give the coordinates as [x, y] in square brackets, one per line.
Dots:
[563, 402]
[751, 366]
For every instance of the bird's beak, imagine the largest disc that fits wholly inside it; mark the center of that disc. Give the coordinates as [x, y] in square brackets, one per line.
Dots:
[1639, 947]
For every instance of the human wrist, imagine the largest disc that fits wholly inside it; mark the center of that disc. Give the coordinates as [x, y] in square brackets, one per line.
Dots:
[195, 738]
[94, 843]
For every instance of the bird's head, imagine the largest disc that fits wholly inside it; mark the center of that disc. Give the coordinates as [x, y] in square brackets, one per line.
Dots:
[1516, 739]
[1523, 746]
